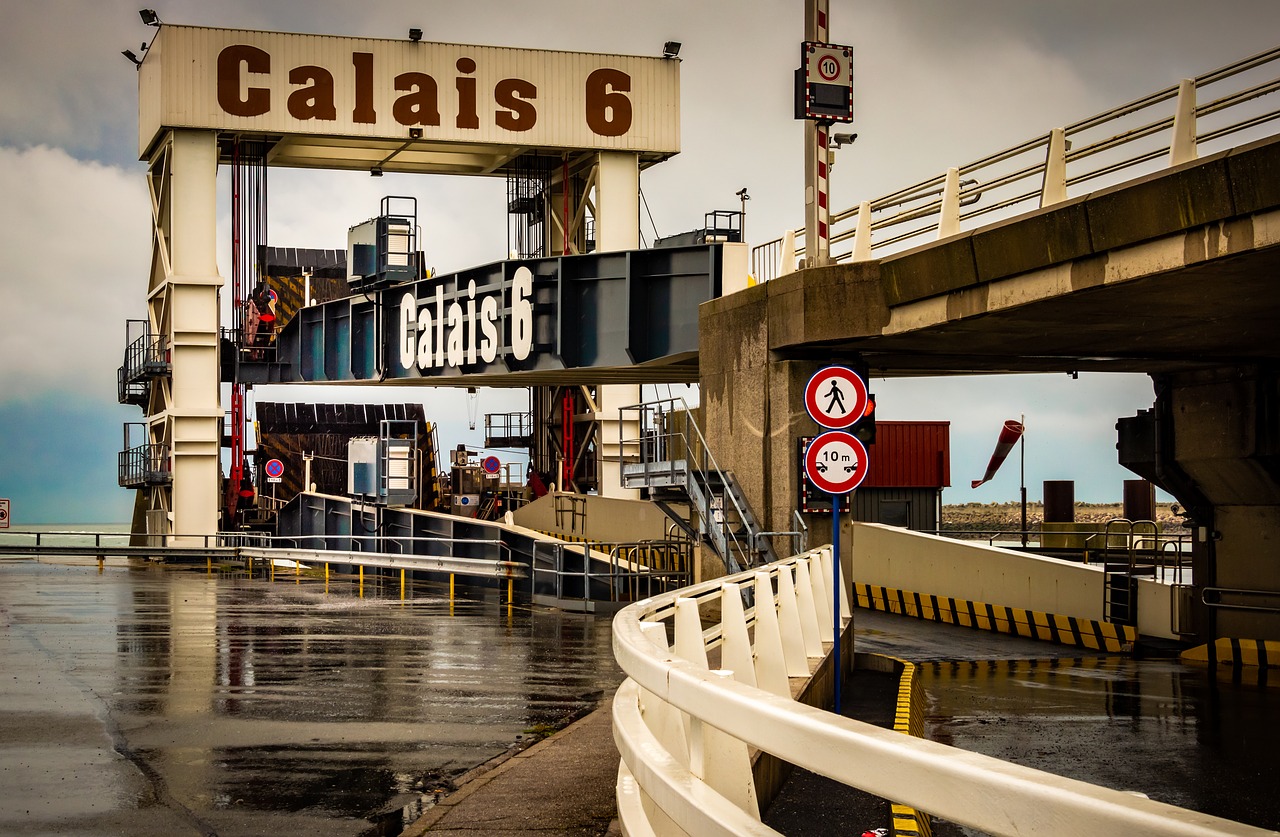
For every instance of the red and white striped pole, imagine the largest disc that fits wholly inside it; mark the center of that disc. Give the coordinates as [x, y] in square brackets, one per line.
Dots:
[817, 208]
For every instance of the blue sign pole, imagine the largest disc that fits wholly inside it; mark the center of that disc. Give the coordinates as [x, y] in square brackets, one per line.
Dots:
[837, 669]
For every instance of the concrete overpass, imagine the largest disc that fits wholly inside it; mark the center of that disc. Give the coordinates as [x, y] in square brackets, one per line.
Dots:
[1174, 275]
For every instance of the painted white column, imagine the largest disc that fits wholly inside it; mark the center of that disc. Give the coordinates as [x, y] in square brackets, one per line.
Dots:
[193, 412]
[617, 214]
[817, 157]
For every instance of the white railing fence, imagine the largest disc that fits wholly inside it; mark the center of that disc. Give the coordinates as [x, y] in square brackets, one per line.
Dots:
[685, 730]
[1167, 128]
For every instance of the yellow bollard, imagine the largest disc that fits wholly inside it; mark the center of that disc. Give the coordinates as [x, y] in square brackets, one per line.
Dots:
[100, 560]
[208, 565]
[402, 584]
[326, 576]
[273, 569]
[362, 581]
[297, 572]
[451, 587]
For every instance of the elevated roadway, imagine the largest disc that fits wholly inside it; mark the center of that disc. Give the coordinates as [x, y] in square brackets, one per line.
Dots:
[1173, 275]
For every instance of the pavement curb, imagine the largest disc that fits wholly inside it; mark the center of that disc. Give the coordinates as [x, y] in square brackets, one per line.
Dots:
[481, 775]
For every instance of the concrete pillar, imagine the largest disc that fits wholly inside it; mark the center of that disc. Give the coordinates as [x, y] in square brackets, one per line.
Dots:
[617, 228]
[1217, 432]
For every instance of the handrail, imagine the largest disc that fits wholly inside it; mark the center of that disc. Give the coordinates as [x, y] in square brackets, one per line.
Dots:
[703, 452]
[694, 766]
[1053, 152]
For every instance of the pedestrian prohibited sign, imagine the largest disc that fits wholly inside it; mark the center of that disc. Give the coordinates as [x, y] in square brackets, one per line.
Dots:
[835, 397]
[836, 462]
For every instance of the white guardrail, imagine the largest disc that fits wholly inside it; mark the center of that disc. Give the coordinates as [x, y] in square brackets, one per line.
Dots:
[685, 731]
[1167, 128]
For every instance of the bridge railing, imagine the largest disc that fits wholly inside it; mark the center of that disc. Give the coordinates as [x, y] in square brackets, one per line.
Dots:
[1169, 127]
[684, 729]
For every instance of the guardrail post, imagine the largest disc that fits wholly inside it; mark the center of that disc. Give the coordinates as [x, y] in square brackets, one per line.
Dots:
[1182, 148]
[735, 653]
[809, 626]
[862, 236]
[1054, 189]
[722, 761]
[828, 573]
[689, 644]
[668, 724]
[787, 254]
[793, 645]
[771, 662]
[823, 605]
[949, 218]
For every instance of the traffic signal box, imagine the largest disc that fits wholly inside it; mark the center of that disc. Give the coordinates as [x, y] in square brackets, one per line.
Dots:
[864, 429]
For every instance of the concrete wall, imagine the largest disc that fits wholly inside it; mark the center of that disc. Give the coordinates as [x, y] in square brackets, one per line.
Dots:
[607, 519]
[927, 564]
[753, 401]
[892, 557]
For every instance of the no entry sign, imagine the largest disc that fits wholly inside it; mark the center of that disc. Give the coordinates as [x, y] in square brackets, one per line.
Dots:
[836, 462]
[835, 397]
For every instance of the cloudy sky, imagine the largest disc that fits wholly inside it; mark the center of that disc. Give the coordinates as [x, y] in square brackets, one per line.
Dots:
[938, 83]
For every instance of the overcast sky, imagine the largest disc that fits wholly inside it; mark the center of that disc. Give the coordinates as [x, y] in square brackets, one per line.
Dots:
[938, 84]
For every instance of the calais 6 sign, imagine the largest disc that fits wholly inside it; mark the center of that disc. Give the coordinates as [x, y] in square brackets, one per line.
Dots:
[836, 462]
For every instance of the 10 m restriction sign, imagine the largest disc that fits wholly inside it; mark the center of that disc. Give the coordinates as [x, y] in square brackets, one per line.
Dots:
[836, 462]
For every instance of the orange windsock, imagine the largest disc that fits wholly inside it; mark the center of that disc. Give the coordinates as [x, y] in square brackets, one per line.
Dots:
[1009, 437]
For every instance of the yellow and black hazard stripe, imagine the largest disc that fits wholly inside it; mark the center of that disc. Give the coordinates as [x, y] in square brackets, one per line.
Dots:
[908, 719]
[1234, 651]
[1033, 624]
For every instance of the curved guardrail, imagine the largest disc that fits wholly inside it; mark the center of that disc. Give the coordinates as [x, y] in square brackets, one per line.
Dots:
[684, 729]
[1168, 127]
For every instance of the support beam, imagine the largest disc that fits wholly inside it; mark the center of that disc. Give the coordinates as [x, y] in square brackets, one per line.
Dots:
[617, 212]
[185, 413]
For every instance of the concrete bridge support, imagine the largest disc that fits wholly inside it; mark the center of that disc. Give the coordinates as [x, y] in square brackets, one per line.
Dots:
[753, 396]
[1217, 449]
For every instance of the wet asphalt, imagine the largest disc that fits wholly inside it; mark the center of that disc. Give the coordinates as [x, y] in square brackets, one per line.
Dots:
[1176, 732]
[150, 701]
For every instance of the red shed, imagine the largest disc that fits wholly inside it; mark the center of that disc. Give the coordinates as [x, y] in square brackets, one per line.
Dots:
[910, 465]
[910, 454]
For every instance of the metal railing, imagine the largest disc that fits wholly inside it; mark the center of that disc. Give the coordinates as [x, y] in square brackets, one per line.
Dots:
[145, 356]
[610, 572]
[671, 451]
[684, 730]
[1165, 128]
[505, 427]
[144, 465]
